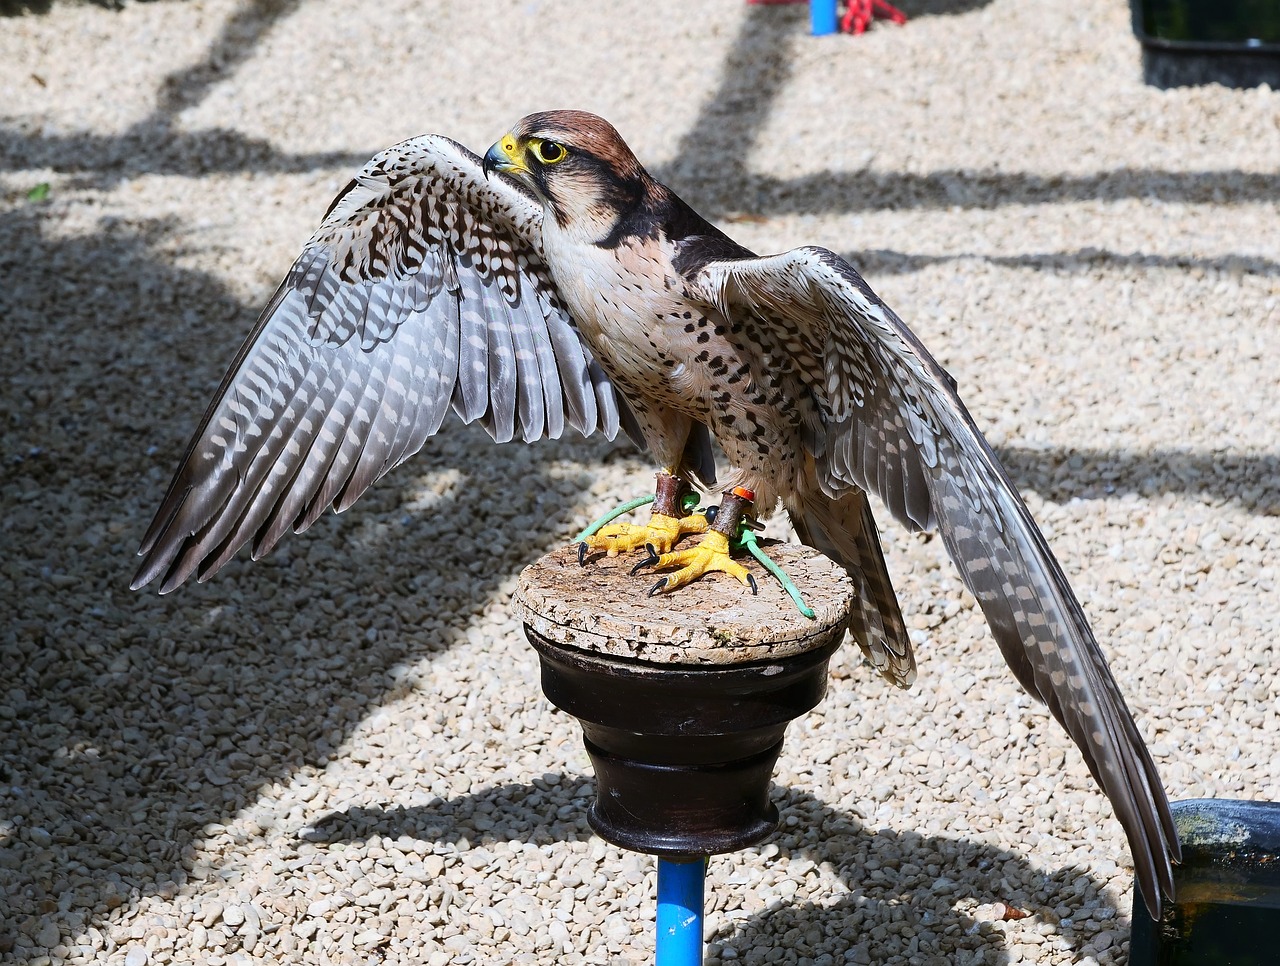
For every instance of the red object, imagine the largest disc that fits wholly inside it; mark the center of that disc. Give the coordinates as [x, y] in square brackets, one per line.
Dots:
[858, 14]
[742, 491]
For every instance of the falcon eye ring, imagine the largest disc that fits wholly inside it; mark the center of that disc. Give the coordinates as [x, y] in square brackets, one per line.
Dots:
[549, 152]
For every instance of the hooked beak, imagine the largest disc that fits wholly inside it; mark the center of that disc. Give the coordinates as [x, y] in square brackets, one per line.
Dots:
[506, 156]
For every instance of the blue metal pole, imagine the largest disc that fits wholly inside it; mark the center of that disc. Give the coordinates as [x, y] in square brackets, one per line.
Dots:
[680, 893]
[822, 17]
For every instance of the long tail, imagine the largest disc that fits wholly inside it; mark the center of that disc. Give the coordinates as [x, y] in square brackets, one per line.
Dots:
[846, 532]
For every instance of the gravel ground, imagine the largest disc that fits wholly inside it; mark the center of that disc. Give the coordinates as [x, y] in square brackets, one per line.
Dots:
[337, 754]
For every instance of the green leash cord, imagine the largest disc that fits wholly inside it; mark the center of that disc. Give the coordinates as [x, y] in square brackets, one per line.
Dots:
[613, 515]
[747, 539]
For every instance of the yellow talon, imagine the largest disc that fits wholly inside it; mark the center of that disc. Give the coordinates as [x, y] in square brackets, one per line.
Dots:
[711, 554]
[662, 532]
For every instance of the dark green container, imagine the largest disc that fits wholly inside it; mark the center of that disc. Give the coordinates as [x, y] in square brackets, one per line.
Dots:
[1227, 909]
[1188, 42]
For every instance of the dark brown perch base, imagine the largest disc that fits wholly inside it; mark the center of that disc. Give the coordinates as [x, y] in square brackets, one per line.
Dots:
[683, 745]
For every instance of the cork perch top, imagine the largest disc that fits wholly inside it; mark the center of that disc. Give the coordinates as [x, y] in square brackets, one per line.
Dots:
[601, 607]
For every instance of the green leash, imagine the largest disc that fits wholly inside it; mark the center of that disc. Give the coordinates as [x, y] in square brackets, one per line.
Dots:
[613, 515]
[747, 539]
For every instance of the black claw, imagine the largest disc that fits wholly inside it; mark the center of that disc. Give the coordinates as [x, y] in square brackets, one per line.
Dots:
[657, 588]
[648, 561]
[751, 581]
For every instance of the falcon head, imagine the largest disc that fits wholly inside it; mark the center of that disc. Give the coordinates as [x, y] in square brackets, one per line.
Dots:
[578, 167]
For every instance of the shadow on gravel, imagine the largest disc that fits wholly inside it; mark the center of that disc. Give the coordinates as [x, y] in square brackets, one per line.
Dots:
[1252, 482]
[876, 262]
[103, 161]
[939, 8]
[921, 877]
[828, 192]
[18, 8]
[129, 721]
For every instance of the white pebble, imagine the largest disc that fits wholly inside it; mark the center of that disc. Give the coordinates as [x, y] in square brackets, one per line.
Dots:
[233, 916]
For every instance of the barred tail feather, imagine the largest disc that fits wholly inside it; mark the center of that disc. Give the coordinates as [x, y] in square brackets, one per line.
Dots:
[845, 531]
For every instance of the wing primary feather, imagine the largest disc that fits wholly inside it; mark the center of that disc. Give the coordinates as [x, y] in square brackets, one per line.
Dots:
[376, 453]
[502, 366]
[202, 442]
[322, 441]
[529, 382]
[607, 415]
[471, 398]
[575, 378]
[186, 561]
[272, 476]
[351, 473]
[340, 445]
[553, 393]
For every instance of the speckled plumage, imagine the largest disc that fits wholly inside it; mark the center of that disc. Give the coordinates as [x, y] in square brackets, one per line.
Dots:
[556, 283]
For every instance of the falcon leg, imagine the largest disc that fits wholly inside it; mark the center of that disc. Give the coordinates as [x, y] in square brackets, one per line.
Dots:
[711, 553]
[669, 521]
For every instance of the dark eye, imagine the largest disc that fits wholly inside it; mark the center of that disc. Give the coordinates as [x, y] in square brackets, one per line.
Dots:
[549, 152]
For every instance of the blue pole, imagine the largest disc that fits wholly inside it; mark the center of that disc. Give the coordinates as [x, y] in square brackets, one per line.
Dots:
[680, 891]
[822, 17]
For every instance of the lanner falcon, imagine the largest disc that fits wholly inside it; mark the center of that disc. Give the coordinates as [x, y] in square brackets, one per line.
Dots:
[554, 283]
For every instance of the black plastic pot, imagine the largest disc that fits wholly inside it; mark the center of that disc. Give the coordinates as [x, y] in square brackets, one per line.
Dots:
[1227, 908]
[1235, 43]
[683, 756]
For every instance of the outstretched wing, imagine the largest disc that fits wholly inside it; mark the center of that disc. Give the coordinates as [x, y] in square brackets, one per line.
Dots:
[424, 290]
[894, 425]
